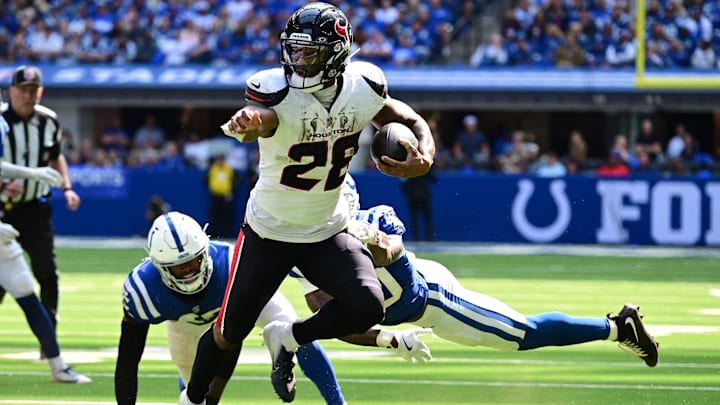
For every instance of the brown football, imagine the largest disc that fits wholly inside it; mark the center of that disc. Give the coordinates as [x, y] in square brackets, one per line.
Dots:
[386, 141]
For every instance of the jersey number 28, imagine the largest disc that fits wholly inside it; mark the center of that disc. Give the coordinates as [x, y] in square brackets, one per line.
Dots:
[343, 150]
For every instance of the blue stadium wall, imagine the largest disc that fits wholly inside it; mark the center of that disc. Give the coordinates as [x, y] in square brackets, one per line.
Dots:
[466, 207]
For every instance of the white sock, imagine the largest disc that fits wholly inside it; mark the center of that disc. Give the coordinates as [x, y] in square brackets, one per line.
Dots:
[288, 339]
[613, 335]
[57, 363]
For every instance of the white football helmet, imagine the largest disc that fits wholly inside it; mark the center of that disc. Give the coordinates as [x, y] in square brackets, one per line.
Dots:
[351, 195]
[174, 239]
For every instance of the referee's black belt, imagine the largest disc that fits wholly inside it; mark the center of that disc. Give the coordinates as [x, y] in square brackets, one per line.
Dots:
[9, 205]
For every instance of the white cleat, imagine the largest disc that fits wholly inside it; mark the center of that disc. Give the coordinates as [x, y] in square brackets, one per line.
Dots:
[184, 400]
[69, 376]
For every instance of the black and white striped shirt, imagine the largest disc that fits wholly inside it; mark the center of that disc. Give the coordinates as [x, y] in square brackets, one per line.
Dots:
[33, 144]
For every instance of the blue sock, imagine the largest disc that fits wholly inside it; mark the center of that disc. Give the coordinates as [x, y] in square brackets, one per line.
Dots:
[558, 329]
[181, 383]
[39, 321]
[316, 365]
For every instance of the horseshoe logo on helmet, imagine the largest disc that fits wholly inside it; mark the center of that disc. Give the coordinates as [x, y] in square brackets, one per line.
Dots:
[341, 29]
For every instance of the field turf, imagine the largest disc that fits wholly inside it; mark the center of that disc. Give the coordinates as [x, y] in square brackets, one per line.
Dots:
[680, 297]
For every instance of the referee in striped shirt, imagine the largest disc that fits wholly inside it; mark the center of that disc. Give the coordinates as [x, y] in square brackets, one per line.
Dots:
[34, 141]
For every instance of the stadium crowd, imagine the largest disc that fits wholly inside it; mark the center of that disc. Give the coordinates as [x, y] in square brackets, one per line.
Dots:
[680, 34]
[471, 149]
[564, 33]
[217, 32]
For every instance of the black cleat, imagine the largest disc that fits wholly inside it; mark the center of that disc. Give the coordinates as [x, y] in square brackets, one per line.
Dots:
[282, 375]
[633, 337]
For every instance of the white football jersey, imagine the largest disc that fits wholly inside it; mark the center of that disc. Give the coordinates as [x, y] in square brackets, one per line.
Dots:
[303, 165]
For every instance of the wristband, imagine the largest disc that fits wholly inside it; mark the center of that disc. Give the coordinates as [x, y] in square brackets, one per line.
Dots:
[384, 338]
[67, 189]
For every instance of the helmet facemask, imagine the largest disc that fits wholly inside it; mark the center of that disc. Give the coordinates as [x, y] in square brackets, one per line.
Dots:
[315, 46]
[177, 242]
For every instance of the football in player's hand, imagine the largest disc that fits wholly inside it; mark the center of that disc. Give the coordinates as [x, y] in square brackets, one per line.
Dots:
[386, 141]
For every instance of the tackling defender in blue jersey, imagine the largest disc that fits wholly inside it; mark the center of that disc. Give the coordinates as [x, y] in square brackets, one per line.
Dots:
[183, 282]
[425, 293]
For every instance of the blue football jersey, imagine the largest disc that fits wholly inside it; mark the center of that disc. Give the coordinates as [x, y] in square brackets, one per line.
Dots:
[405, 289]
[148, 300]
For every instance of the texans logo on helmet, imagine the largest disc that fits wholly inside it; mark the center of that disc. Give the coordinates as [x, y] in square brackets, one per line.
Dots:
[341, 29]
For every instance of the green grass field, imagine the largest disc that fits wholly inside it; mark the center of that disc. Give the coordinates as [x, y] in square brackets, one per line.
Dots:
[679, 296]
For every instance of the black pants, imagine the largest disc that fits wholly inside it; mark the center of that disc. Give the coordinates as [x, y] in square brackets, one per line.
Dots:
[34, 222]
[341, 266]
[420, 209]
[221, 216]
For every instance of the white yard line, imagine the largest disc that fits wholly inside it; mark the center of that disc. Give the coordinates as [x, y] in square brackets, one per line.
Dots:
[456, 247]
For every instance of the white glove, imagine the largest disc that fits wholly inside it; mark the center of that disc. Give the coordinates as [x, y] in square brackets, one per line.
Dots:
[46, 175]
[8, 233]
[364, 232]
[409, 344]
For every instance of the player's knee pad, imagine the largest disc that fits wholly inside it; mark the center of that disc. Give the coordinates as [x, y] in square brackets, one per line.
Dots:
[15, 277]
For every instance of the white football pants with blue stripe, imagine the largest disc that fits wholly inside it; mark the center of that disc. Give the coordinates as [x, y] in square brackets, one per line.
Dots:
[473, 319]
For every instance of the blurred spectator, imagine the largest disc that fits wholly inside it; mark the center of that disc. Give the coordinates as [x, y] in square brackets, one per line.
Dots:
[196, 151]
[697, 24]
[647, 142]
[492, 53]
[149, 134]
[577, 148]
[678, 54]
[554, 38]
[94, 48]
[147, 50]
[220, 182]
[443, 155]
[524, 12]
[703, 57]
[518, 158]
[676, 144]
[468, 142]
[45, 43]
[677, 167]
[156, 207]
[550, 166]
[613, 166]
[173, 49]
[569, 54]
[519, 51]
[419, 198]
[67, 142]
[644, 164]
[124, 50]
[377, 49]
[5, 46]
[621, 53]
[170, 158]
[620, 147]
[115, 137]
[225, 52]
[404, 53]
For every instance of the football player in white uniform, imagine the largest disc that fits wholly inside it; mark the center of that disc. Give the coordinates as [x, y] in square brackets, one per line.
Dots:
[426, 294]
[16, 278]
[182, 283]
[307, 117]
